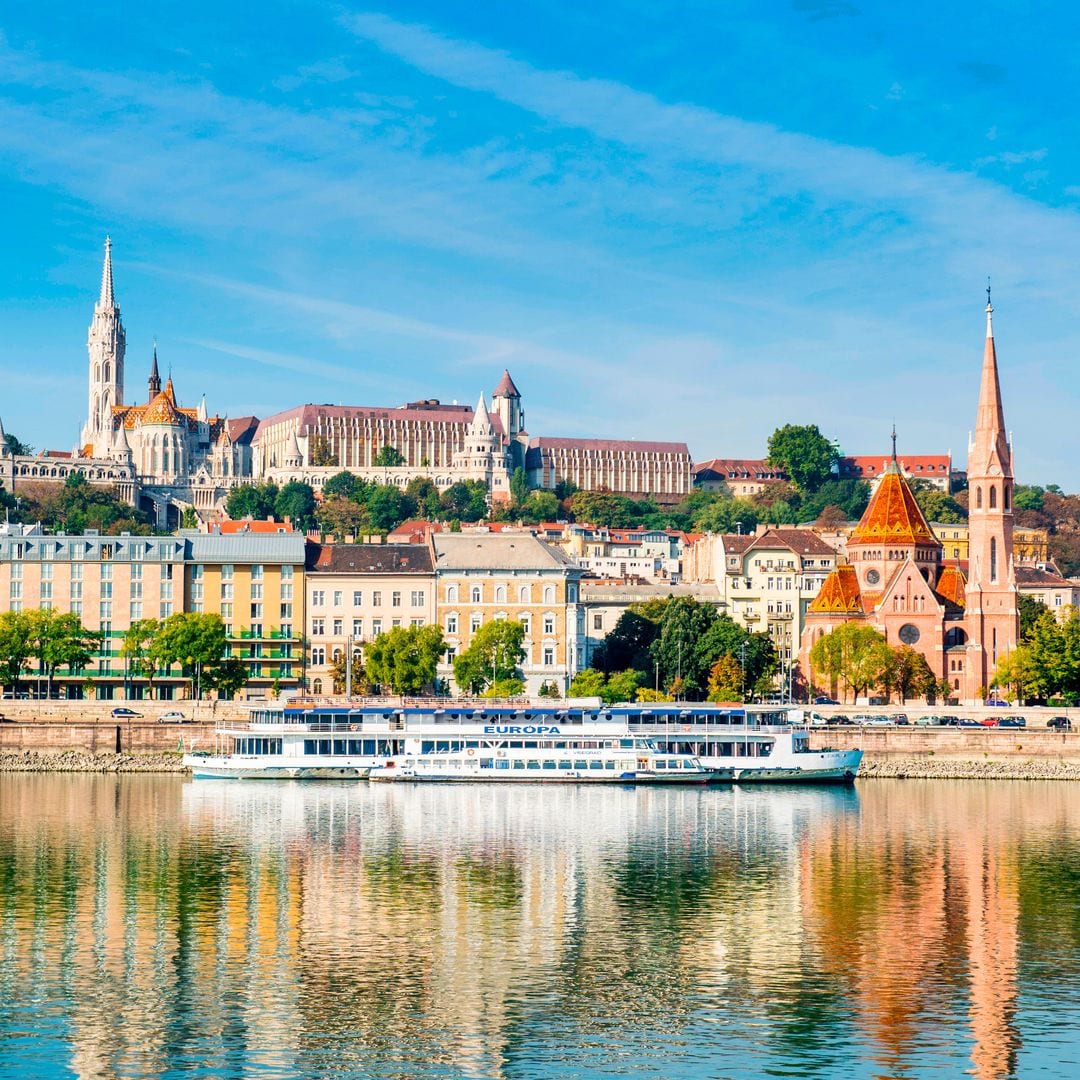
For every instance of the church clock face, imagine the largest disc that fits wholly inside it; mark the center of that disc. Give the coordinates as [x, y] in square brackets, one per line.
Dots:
[909, 634]
[872, 577]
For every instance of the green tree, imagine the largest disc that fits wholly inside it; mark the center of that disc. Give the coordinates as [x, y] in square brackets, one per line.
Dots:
[321, 452]
[853, 653]
[727, 516]
[404, 660]
[16, 446]
[587, 683]
[629, 643]
[189, 519]
[804, 454]
[1028, 497]
[622, 686]
[425, 496]
[16, 646]
[683, 626]
[465, 501]
[519, 486]
[1014, 673]
[228, 677]
[602, 508]
[137, 649]
[343, 484]
[756, 651]
[505, 688]
[388, 457]
[851, 496]
[1030, 610]
[908, 673]
[296, 501]
[194, 640]
[539, 506]
[937, 506]
[341, 517]
[255, 501]
[60, 640]
[493, 655]
[361, 685]
[388, 507]
[726, 680]
[549, 689]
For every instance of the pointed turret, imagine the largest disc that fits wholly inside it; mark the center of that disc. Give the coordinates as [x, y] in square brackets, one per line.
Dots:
[3, 439]
[200, 412]
[294, 458]
[121, 446]
[989, 451]
[107, 301]
[153, 384]
[506, 387]
[481, 422]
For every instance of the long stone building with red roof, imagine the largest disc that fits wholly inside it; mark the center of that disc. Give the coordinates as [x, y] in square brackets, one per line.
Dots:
[895, 578]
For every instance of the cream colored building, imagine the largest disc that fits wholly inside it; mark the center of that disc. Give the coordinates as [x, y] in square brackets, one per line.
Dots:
[355, 592]
[1043, 583]
[766, 580]
[486, 576]
[254, 582]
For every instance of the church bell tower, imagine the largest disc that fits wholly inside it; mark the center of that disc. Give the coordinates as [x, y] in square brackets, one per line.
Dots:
[991, 618]
[105, 344]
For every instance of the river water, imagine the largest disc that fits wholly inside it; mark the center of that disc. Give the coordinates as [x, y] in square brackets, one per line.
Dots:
[158, 927]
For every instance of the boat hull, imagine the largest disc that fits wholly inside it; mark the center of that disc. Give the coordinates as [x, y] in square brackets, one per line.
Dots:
[403, 776]
[210, 769]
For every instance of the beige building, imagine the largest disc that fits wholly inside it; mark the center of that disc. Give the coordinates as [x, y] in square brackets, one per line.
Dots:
[660, 470]
[1043, 583]
[485, 576]
[1030, 546]
[355, 592]
[766, 580]
[254, 582]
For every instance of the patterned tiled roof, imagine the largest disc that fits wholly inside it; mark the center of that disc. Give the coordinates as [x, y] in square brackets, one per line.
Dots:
[839, 594]
[952, 584]
[893, 516]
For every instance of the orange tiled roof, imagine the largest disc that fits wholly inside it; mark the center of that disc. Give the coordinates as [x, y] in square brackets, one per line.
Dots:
[839, 594]
[952, 584]
[893, 516]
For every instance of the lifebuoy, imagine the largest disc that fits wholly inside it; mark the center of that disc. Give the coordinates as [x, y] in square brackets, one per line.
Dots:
[471, 753]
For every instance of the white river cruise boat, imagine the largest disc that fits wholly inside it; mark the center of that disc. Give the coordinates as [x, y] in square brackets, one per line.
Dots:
[573, 742]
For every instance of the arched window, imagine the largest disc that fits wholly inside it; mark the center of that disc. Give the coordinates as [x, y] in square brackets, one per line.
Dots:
[316, 686]
[523, 594]
[549, 594]
[993, 558]
[1007, 496]
[978, 498]
[993, 497]
[451, 594]
[500, 594]
[477, 594]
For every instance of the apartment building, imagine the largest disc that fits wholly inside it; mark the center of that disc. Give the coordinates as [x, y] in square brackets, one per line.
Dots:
[355, 592]
[480, 577]
[111, 582]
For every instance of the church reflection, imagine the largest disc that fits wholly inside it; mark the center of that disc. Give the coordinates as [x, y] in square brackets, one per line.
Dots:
[309, 930]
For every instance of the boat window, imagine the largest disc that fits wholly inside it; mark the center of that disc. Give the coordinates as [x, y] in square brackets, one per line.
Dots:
[581, 764]
[611, 765]
[531, 744]
[549, 765]
[519, 764]
[533, 764]
[596, 764]
[486, 762]
[626, 742]
[661, 764]
[560, 746]
[502, 764]
[565, 765]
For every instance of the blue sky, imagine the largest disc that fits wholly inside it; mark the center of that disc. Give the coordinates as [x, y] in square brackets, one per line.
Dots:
[688, 221]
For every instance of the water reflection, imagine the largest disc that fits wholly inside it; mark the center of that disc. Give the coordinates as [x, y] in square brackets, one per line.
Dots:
[151, 926]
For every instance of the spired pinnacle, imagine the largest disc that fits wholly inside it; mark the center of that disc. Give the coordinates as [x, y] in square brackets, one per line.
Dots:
[107, 299]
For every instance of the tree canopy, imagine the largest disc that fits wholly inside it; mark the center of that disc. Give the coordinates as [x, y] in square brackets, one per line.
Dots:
[404, 659]
[804, 454]
[494, 655]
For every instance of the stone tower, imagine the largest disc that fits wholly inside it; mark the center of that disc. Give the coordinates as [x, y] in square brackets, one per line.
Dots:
[506, 404]
[105, 345]
[991, 618]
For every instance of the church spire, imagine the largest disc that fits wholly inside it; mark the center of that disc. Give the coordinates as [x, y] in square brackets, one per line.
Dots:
[990, 446]
[153, 384]
[107, 299]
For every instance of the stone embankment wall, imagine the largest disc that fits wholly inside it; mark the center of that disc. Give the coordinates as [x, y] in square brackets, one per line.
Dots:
[81, 761]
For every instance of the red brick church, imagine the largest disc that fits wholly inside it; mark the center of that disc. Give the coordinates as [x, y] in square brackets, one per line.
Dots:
[895, 579]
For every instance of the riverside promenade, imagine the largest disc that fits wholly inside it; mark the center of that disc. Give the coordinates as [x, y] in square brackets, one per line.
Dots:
[75, 736]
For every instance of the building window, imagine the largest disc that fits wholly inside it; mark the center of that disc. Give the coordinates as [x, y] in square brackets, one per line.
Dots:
[318, 655]
[196, 590]
[339, 627]
[165, 610]
[197, 572]
[226, 611]
[452, 624]
[285, 611]
[106, 589]
[475, 622]
[477, 594]
[226, 572]
[16, 590]
[106, 573]
[358, 628]
[256, 590]
[376, 599]
[451, 594]
[993, 558]
[549, 656]
[524, 594]
[526, 621]
[286, 573]
[598, 622]
[549, 624]
[318, 627]
[416, 598]
[286, 592]
[376, 627]
[46, 571]
[500, 594]
[316, 686]
[256, 629]
[256, 611]
[395, 599]
[136, 610]
[549, 594]
[227, 590]
[318, 598]
[256, 573]
[338, 597]
[357, 598]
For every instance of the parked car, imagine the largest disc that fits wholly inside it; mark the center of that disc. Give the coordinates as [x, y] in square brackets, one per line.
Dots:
[841, 719]
[965, 722]
[928, 721]
[899, 718]
[990, 721]
[863, 718]
[1059, 723]
[171, 718]
[10, 695]
[1012, 721]
[124, 714]
[997, 703]
[825, 701]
